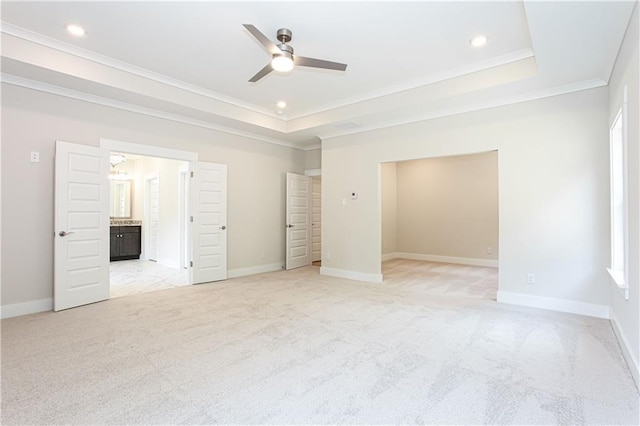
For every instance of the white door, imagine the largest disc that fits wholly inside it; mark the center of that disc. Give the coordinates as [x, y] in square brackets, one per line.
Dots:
[297, 227]
[81, 247]
[153, 203]
[316, 218]
[209, 241]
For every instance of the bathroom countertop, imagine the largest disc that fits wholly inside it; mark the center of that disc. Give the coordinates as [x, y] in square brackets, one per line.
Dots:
[125, 222]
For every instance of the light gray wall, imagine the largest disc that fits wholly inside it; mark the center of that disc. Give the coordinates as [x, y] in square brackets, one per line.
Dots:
[448, 206]
[32, 121]
[389, 190]
[313, 159]
[553, 190]
[626, 73]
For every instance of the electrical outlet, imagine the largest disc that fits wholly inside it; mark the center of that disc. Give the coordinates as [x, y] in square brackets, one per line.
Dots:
[531, 278]
[328, 256]
[35, 157]
[489, 250]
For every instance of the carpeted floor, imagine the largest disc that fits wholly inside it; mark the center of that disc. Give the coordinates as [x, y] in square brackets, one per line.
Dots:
[427, 346]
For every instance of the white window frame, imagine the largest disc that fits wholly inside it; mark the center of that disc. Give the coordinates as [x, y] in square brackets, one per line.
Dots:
[620, 276]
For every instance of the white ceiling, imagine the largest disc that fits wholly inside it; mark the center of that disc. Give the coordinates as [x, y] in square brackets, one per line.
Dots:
[190, 61]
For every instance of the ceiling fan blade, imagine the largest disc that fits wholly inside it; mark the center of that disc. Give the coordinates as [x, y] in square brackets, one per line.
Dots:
[264, 71]
[263, 39]
[318, 63]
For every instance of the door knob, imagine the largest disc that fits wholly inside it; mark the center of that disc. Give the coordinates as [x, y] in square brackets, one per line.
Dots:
[289, 226]
[64, 233]
[223, 227]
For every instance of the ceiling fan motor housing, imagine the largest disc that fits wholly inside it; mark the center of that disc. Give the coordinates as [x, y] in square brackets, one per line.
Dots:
[284, 35]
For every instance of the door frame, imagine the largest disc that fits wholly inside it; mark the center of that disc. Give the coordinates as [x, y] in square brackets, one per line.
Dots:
[155, 151]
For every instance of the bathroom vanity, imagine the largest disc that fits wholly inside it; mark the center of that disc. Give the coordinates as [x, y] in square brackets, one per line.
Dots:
[125, 242]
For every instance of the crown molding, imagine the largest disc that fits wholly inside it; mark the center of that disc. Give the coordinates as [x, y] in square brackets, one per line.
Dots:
[37, 38]
[509, 100]
[434, 78]
[99, 100]
[312, 147]
[71, 49]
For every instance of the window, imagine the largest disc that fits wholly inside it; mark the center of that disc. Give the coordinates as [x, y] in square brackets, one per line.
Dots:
[619, 225]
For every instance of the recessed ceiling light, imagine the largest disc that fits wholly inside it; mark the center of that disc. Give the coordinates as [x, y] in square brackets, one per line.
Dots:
[76, 30]
[478, 41]
[281, 104]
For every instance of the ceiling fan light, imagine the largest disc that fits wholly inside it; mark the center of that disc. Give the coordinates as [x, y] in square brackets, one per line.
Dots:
[282, 63]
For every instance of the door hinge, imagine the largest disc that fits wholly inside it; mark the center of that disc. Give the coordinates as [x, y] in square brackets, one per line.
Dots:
[191, 218]
[191, 174]
[191, 263]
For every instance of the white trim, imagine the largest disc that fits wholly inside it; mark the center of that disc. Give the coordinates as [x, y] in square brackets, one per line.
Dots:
[351, 275]
[491, 263]
[70, 49]
[479, 106]
[252, 270]
[388, 256]
[313, 172]
[632, 362]
[33, 307]
[617, 278]
[43, 40]
[148, 150]
[552, 304]
[99, 100]
[312, 147]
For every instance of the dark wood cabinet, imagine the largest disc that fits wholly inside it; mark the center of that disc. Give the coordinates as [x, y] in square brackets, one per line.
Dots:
[125, 242]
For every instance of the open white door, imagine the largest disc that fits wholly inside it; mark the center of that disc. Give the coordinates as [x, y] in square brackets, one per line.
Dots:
[209, 256]
[81, 248]
[297, 227]
[316, 218]
[153, 220]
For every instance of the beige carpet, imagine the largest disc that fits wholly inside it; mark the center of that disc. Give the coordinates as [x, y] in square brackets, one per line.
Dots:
[427, 346]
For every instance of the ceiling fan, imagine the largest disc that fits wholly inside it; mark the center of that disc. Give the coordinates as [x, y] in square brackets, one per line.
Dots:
[283, 59]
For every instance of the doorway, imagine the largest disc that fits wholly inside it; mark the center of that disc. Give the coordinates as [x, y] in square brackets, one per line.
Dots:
[154, 220]
[440, 220]
[303, 230]
[82, 220]
[316, 220]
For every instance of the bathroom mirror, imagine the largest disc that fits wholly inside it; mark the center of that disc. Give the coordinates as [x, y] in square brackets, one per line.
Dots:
[120, 199]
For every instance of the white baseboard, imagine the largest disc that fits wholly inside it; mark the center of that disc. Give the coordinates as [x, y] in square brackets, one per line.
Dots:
[552, 304]
[491, 263]
[389, 256]
[33, 307]
[351, 275]
[632, 362]
[252, 270]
